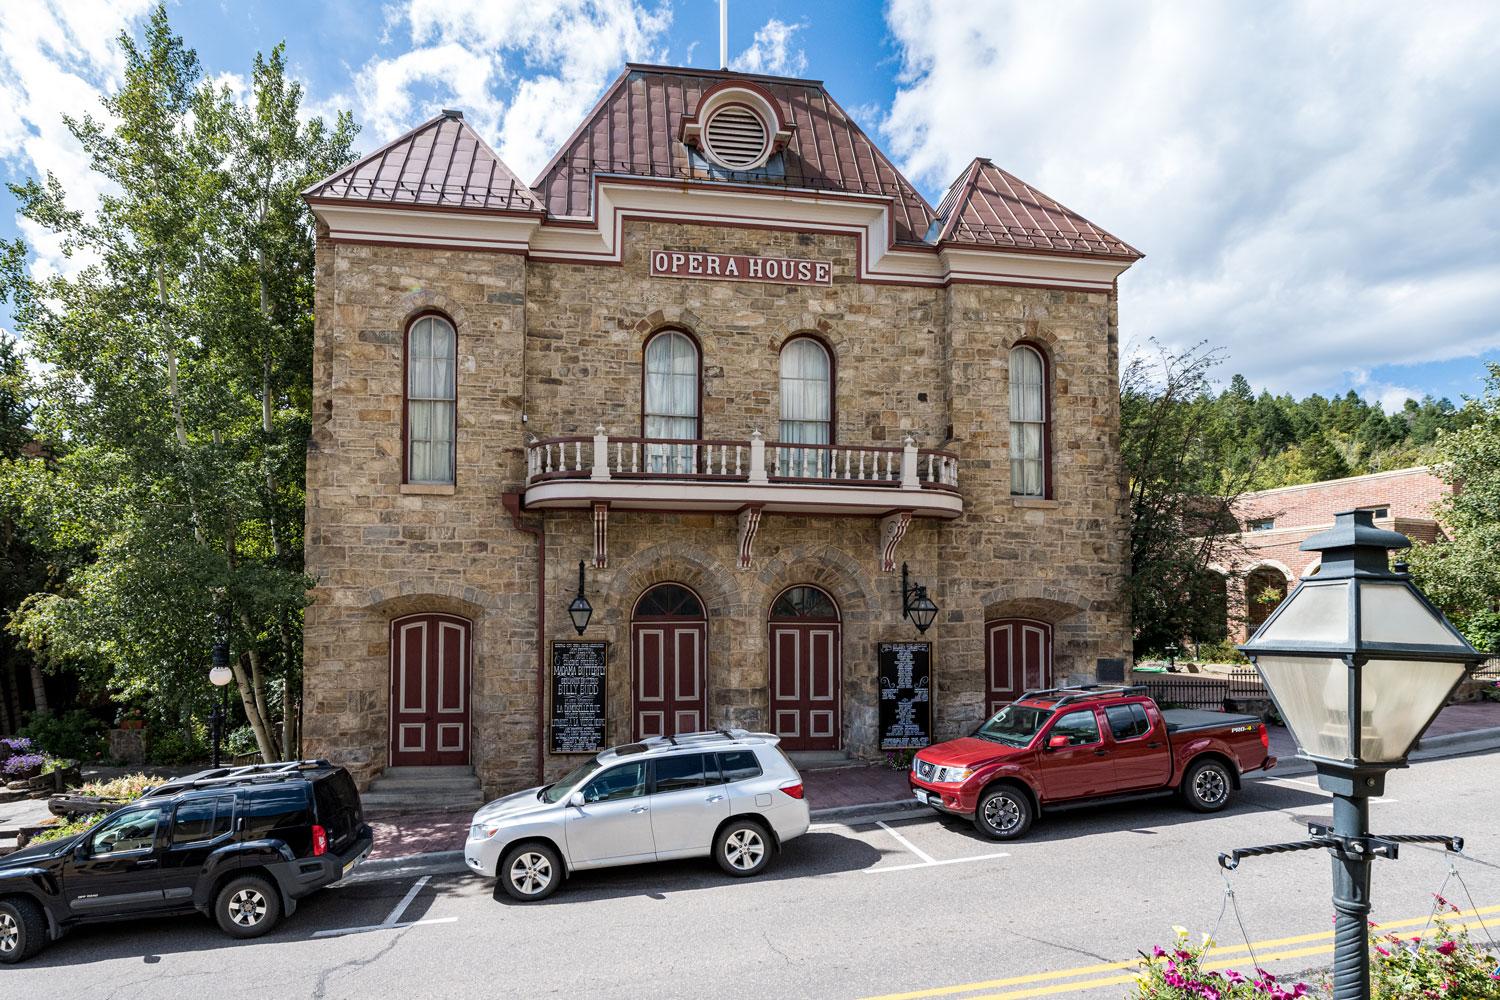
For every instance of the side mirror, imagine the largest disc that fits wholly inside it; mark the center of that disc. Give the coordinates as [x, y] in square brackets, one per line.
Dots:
[576, 800]
[1058, 742]
[81, 850]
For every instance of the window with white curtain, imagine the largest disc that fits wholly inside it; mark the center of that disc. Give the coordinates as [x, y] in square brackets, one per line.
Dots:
[1029, 419]
[806, 407]
[431, 404]
[671, 403]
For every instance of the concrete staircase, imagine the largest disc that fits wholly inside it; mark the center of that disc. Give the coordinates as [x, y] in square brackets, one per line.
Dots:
[423, 790]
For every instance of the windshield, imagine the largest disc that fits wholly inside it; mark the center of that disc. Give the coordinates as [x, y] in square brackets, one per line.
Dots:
[1015, 725]
[565, 785]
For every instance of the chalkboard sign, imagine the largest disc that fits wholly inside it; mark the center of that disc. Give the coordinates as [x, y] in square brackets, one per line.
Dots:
[905, 684]
[578, 696]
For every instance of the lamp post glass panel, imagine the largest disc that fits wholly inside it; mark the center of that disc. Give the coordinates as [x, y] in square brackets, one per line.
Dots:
[1358, 663]
[580, 610]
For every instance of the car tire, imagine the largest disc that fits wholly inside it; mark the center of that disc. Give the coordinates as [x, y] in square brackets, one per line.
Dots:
[1004, 813]
[247, 907]
[23, 929]
[1207, 786]
[530, 872]
[743, 848]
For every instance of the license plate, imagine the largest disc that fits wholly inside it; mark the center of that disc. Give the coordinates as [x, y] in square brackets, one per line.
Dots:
[921, 797]
[349, 867]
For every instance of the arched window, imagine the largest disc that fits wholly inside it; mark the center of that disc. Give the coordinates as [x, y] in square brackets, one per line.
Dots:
[670, 404]
[806, 404]
[431, 400]
[1030, 424]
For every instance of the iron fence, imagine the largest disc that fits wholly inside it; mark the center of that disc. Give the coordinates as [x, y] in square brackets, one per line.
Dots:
[1215, 694]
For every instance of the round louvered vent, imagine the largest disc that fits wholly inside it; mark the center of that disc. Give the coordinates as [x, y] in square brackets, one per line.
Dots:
[736, 137]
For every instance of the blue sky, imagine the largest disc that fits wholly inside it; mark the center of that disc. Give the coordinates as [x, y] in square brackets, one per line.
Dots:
[1316, 186]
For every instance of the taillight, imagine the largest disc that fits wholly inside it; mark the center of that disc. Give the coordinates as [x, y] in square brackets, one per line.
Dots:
[1265, 738]
[793, 788]
[320, 840]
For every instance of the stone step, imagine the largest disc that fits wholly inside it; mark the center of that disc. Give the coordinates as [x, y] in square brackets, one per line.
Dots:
[431, 770]
[425, 786]
[812, 760]
[376, 803]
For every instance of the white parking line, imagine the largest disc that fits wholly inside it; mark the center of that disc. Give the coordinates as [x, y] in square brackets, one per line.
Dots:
[932, 864]
[906, 843]
[392, 920]
[411, 894]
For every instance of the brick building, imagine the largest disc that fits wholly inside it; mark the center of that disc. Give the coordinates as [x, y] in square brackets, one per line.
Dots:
[1277, 522]
[725, 355]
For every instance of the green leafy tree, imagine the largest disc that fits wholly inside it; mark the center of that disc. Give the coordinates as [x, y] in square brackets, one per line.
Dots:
[1462, 573]
[178, 373]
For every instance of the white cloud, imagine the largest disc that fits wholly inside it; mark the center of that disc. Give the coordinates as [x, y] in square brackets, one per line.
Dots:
[56, 60]
[524, 73]
[1314, 184]
[771, 52]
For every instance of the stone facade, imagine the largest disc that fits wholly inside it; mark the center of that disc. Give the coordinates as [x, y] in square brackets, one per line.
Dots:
[552, 317]
[562, 343]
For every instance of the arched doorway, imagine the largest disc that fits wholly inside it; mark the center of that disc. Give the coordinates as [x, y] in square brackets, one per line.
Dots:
[668, 662]
[429, 690]
[1018, 652]
[806, 669]
[1265, 589]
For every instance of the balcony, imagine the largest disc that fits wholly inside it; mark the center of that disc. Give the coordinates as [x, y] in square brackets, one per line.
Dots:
[637, 473]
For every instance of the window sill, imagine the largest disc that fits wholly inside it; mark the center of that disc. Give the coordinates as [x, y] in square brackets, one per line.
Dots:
[1035, 503]
[428, 489]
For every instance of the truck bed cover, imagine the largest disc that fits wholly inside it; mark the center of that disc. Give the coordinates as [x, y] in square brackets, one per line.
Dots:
[1191, 720]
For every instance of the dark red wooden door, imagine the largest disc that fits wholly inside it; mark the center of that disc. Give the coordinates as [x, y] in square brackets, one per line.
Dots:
[806, 670]
[1019, 651]
[668, 666]
[429, 690]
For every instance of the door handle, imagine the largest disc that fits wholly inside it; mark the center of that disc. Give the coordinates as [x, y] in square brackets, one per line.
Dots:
[641, 809]
[716, 798]
[146, 863]
[1101, 752]
[1153, 746]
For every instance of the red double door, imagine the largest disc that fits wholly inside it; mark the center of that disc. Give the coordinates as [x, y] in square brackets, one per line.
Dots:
[430, 690]
[668, 661]
[1019, 651]
[805, 684]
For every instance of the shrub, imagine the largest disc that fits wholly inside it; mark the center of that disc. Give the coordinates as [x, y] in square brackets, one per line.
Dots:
[240, 741]
[1178, 974]
[24, 764]
[1446, 965]
[129, 787]
[76, 734]
[176, 745]
[1222, 651]
[17, 744]
[63, 830]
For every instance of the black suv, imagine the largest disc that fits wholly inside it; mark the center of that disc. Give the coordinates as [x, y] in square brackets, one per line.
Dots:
[242, 843]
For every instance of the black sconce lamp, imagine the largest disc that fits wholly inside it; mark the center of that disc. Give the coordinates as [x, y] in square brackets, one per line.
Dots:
[580, 610]
[916, 606]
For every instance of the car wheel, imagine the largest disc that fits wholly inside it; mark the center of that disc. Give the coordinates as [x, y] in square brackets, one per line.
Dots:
[531, 872]
[1207, 786]
[1003, 813]
[23, 929]
[247, 907]
[743, 848]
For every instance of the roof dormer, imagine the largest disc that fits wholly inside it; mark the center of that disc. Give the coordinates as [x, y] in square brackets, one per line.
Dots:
[737, 125]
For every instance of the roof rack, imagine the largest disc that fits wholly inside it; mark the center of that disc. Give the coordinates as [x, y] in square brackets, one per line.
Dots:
[1079, 692]
[704, 736]
[248, 773]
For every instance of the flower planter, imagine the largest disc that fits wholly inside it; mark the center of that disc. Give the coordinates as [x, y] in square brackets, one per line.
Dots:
[132, 724]
[73, 806]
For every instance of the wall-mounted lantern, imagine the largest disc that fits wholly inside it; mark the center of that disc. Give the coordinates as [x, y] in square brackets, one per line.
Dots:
[580, 610]
[916, 606]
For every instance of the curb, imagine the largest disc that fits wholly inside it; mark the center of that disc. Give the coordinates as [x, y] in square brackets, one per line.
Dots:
[865, 810]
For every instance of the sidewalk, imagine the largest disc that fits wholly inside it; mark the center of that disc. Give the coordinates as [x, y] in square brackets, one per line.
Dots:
[838, 791]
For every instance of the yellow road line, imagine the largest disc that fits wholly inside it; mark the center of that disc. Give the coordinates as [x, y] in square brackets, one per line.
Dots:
[1218, 959]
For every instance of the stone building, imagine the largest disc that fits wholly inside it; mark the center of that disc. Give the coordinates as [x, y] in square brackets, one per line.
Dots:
[723, 354]
[1275, 523]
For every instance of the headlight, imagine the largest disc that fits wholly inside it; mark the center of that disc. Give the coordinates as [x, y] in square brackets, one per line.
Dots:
[480, 831]
[947, 774]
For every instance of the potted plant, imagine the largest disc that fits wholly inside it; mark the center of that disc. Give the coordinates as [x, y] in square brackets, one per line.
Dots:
[131, 719]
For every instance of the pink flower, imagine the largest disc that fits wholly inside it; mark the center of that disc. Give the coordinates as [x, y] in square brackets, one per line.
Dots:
[1447, 947]
[1156, 951]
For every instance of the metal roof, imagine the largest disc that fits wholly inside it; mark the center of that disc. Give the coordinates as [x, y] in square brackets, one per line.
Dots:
[633, 130]
[989, 207]
[442, 163]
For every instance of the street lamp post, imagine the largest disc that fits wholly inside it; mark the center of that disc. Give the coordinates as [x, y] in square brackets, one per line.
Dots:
[1359, 663]
[220, 675]
[580, 610]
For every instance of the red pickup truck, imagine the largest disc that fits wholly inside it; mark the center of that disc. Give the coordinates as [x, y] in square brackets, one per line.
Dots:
[1070, 746]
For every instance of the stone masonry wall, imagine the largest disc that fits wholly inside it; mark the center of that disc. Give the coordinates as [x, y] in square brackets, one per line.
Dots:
[562, 343]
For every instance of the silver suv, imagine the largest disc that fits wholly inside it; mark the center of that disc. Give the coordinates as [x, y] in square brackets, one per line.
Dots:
[729, 793]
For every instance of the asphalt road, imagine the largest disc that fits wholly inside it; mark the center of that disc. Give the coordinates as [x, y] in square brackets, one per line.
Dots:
[917, 907]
